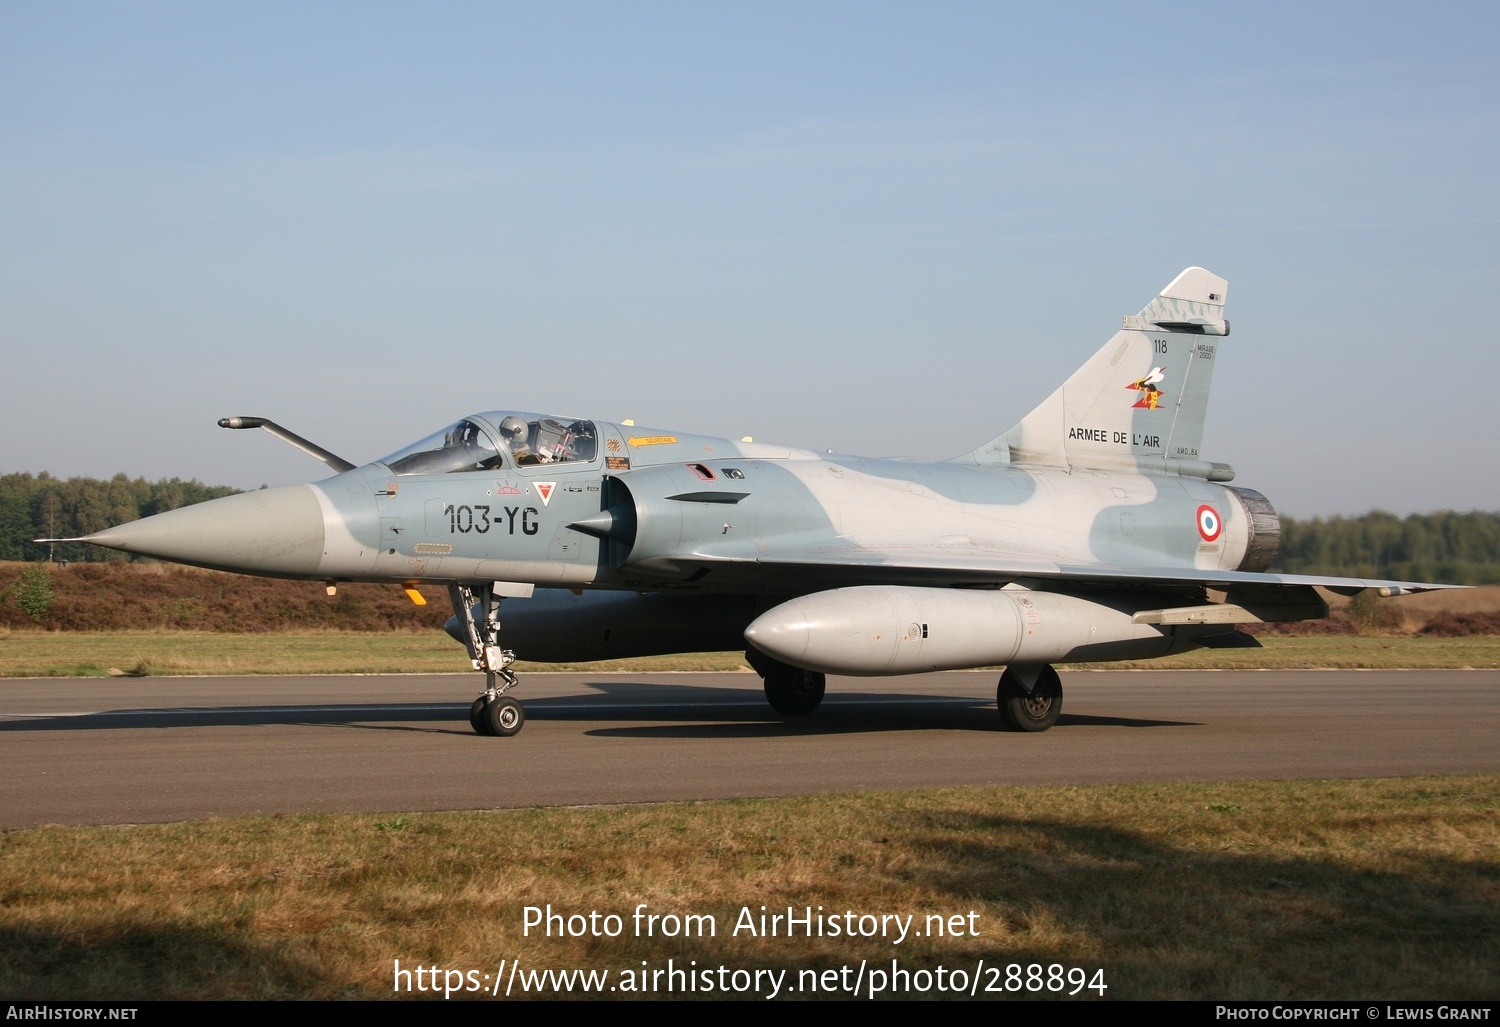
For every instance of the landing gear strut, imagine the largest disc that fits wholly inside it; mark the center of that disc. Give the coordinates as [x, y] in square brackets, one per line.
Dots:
[494, 713]
[791, 691]
[1033, 708]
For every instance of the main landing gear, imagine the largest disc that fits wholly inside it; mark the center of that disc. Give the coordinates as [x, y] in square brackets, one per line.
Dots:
[494, 713]
[1029, 697]
[791, 691]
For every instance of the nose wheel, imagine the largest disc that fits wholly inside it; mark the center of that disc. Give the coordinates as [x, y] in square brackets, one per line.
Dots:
[497, 718]
[494, 713]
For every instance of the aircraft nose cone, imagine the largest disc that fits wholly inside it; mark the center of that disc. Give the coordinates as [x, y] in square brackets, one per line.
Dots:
[275, 532]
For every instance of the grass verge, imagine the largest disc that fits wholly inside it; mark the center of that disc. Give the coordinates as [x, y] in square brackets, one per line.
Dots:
[1331, 652]
[94, 654]
[76, 653]
[1245, 890]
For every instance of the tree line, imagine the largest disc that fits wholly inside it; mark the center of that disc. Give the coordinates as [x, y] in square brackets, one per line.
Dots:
[41, 506]
[1461, 548]
[1458, 548]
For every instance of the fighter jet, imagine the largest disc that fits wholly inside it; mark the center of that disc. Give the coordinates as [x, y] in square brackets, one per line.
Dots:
[1091, 530]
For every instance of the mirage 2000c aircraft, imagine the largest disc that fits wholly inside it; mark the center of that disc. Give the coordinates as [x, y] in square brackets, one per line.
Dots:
[1091, 530]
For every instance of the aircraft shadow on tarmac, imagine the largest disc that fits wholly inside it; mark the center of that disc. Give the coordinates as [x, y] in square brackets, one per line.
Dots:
[829, 720]
[234, 716]
[679, 711]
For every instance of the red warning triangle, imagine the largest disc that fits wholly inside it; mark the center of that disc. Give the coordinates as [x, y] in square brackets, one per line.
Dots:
[544, 489]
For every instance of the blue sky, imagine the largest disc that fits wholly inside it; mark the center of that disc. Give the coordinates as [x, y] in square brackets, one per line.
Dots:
[875, 228]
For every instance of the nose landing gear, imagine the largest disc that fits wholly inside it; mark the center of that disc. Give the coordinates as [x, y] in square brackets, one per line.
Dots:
[494, 713]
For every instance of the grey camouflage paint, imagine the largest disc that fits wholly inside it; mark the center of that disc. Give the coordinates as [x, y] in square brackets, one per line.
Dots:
[1099, 497]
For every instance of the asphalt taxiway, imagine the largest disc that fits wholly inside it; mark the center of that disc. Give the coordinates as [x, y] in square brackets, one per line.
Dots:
[77, 751]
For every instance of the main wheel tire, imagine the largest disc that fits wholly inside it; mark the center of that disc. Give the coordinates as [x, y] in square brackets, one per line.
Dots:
[794, 692]
[504, 717]
[1036, 710]
[476, 717]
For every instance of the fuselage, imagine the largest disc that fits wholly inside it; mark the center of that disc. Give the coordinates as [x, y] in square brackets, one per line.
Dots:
[645, 509]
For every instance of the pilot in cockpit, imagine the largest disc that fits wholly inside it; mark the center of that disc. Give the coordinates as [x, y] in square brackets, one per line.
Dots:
[547, 440]
[516, 433]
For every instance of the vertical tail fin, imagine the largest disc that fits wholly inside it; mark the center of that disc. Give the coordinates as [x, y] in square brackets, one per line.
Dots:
[1140, 401]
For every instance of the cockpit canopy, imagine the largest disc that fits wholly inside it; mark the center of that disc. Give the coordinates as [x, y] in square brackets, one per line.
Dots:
[497, 439]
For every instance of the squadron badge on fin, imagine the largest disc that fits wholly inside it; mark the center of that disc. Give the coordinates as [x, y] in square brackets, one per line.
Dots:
[1150, 395]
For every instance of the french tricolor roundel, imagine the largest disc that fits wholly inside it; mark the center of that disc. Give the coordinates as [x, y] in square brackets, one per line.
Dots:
[1210, 524]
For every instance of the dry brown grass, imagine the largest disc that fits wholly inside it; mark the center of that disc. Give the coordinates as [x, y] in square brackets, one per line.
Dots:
[1248, 890]
[154, 596]
[1477, 608]
[1418, 608]
[95, 654]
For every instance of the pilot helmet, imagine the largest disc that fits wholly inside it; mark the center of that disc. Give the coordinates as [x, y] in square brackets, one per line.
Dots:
[513, 428]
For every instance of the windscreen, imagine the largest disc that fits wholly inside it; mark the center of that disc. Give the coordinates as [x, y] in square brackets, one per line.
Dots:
[464, 446]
